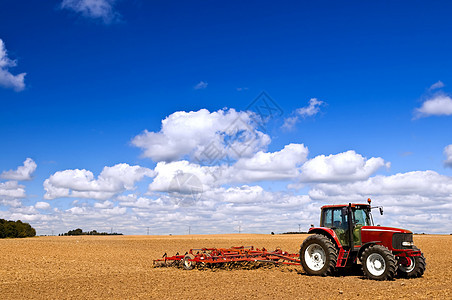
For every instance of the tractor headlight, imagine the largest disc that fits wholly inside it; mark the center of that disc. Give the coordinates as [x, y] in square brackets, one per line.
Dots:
[407, 244]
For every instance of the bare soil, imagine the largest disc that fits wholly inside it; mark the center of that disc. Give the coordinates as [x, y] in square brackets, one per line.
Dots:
[122, 267]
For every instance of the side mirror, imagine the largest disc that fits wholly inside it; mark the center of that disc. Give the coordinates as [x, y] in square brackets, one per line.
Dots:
[381, 210]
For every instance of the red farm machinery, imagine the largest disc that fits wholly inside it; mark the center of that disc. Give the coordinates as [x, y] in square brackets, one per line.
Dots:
[347, 235]
[345, 238]
[228, 257]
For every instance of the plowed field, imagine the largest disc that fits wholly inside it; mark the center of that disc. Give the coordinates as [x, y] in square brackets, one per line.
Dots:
[122, 267]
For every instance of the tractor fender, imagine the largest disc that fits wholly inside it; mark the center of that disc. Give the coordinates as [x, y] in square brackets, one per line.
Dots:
[367, 245]
[328, 232]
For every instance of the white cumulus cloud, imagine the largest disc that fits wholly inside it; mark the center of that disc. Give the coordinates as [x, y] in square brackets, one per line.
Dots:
[105, 204]
[42, 205]
[7, 79]
[11, 189]
[204, 136]
[96, 9]
[448, 153]
[93, 213]
[437, 85]
[283, 164]
[11, 193]
[24, 172]
[262, 166]
[439, 105]
[201, 85]
[82, 184]
[346, 166]
[10, 202]
[312, 109]
[222, 197]
[419, 200]
[420, 183]
[168, 176]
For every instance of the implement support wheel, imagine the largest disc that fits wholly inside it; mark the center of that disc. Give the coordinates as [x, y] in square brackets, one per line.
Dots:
[186, 263]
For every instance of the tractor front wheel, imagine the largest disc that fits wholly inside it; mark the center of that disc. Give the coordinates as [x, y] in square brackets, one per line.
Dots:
[378, 263]
[318, 255]
[412, 267]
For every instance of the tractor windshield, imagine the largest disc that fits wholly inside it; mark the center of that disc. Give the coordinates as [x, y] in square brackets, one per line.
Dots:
[362, 216]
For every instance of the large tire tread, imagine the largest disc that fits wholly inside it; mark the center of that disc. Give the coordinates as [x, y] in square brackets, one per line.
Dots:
[330, 251]
[419, 268]
[389, 258]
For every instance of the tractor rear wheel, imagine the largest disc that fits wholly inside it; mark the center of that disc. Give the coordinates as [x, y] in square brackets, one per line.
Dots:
[412, 267]
[318, 255]
[378, 263]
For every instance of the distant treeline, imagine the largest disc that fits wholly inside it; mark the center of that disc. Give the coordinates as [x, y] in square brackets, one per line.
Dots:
[15, 229]
[295, 232]
[78, 231]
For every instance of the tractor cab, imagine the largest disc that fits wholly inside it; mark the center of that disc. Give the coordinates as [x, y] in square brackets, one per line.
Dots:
[337, 217]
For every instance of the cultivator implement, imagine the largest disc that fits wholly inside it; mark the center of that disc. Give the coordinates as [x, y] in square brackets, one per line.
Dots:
[228, 258]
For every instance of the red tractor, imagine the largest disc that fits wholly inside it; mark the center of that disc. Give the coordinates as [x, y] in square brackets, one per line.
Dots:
[347, 234]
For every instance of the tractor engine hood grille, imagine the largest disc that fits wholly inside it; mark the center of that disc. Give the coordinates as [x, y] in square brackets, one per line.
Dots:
[399, 238]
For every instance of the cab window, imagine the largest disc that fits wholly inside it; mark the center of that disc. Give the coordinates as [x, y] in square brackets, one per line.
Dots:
[337, 218]
[327, 219]
[361, 217]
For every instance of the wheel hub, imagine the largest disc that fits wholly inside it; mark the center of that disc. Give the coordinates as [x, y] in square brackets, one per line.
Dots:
[376, 264]
[407, 265]
[315, 257]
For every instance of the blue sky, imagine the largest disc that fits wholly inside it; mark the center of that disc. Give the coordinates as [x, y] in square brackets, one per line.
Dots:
[100, 72]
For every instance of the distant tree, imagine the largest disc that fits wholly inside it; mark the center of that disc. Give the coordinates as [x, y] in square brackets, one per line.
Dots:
[15, 229]
[79, 231]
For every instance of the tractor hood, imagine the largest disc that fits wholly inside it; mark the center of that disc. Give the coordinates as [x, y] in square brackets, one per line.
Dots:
[383, 229]
[382, 235]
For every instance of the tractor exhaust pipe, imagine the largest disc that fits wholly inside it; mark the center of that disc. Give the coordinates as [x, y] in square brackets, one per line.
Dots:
[351, 226]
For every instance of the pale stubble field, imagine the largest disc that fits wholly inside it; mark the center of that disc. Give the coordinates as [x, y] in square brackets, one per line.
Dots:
[121, 267]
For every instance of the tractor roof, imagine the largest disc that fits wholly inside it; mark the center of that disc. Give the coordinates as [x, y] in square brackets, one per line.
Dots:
[344, 205]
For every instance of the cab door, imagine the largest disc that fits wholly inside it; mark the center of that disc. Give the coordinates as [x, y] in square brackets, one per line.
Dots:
[337, 219]
[340, 225]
